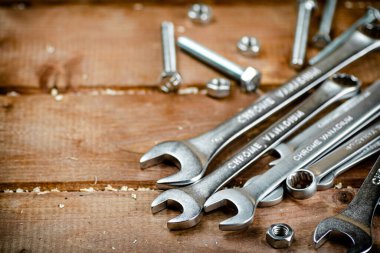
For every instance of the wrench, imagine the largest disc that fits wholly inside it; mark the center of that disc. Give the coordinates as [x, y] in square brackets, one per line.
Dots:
[371, 15]
[193, 197]
[193, 156]
[302, 184]
[246, 199]
[356, 220]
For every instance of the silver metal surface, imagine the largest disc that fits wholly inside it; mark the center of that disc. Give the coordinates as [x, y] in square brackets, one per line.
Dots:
[218, 88]
[248, 45]
[280, 235]
[371, 15]
[200, 13]
[193, 156]
[170, 78]
[305, 8]
[337, 131]
[303, 183]
[355, 221]
[192, 197]
[322, 38]
[248, 78]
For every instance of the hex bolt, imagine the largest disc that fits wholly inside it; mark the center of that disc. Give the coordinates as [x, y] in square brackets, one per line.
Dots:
[248, 45]
[280, 235]
[170, 78]
[371, 15]
[322, 38]
[200, 13]
[305, 7]
[248, 78]
[218, 87]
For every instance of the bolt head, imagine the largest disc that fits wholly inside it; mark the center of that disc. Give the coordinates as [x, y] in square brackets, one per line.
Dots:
[250, 80]
[200, 13]
[170, 82]
[280, 235]
[321, 40]
[248, 45]
[218, 88]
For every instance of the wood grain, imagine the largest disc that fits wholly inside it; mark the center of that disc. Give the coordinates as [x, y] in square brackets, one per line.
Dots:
[83, 46]
[116, 222]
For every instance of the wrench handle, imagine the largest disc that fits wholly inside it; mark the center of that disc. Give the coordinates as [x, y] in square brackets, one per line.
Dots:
[367, 197]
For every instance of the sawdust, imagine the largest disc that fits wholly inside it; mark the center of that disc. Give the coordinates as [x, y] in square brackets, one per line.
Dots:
[13, 94]
[134, 196]
[189, 90]
[90, 189]
[61, 205]
[36, 189]
[110, 188]
[8, 191]
[338, 186]
[19, 190]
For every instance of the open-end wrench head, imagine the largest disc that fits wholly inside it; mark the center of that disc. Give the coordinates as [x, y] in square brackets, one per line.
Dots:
[273, 198]
[301, 184]
[242, 202]
[361, 239]
[191, 210]
[179, 153]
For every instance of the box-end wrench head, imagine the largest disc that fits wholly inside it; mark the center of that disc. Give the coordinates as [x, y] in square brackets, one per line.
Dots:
[190, 199]
[356, 220]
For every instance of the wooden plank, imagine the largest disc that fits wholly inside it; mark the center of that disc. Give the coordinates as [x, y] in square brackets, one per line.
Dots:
[71, 143]
[82, 46]
[116, 222]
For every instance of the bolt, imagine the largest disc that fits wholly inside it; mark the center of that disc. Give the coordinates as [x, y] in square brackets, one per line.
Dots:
[248, 78]
[305, 8]
[280, 235]
[200, 13]
[371, 15]
[322, 38]
[248, 45]
[170, 78]
[218, 87]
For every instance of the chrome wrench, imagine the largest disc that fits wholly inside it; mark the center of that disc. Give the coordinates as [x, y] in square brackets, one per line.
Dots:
[194, 155]
[246, 199]
[356, 220]
[192, 197]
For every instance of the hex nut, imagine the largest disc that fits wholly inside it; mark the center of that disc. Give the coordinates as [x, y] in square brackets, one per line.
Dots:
[250, 80]
[249, 45]
[218, 87]
[280, 235]
[200, 13]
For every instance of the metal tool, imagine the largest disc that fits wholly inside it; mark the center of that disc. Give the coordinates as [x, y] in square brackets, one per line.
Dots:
[192, 197]
[305, 7]
[170, 78]
[248, 78]
[246, 199]
[322, 38]
[371, 15]
[193, 156]
[302, 184]
[200, 13]
[218, 88]
[280, 235]
[356, 220]
[248, 45]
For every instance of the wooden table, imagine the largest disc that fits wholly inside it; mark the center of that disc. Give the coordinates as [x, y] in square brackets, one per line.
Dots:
[66, 160]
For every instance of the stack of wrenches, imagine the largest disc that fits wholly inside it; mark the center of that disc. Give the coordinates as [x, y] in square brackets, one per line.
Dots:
[193, 156]
[192, 197]
[364, 109]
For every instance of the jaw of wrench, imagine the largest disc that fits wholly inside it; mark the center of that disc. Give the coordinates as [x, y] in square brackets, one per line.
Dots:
[334, 133]
[356, 220]
[191, 198]
[193, 156]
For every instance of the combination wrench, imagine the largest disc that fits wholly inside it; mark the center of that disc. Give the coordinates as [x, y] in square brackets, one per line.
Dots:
[194, 155]
[356, 220]
[192, 197]
[245, 199]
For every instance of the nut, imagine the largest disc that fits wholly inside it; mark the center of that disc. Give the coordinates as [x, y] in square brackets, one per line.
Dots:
[280, 235]
[200, 13]
[248, 45]
[218, 87]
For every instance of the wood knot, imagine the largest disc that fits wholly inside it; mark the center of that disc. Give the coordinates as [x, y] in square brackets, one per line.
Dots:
[344, 197]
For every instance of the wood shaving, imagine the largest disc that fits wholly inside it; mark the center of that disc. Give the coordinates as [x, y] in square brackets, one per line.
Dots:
[42, 193]
[110, 188]
[96, 180]
[124, 188]
[36, 189]
[144, 189]
[55, 190]
[338, 186]
[187, 91]
[13, 94]
[58, 97]
[61, 205]
[134, 241]
[90, 189]
[18, 190]
[54, 92]
[8, 191]
[134, 196]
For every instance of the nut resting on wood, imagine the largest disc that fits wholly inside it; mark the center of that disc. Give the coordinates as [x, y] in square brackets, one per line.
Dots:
[280, 235]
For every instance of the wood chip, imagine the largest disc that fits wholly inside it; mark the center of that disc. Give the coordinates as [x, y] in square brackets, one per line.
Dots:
[90, 189]
[338, 186]
[110, 188]
[61, 205]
